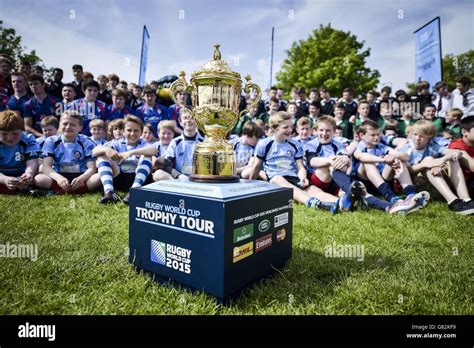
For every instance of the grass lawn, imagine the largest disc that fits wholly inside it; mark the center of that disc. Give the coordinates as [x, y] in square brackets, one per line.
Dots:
[415, 264]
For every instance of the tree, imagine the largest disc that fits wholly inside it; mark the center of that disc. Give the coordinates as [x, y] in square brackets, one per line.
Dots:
[10, 46]
[331, 58]
[455, 66]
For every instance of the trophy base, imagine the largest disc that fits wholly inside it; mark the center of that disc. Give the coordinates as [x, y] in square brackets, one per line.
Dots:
[215, 179]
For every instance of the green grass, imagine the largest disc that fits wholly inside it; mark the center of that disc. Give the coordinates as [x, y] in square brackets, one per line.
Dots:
[415, 264]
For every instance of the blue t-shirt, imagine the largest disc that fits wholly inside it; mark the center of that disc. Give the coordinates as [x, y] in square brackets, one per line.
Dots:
[13, 158]
[38, 110]
[303, 142]
[121, 145]
[433, 149]
[41, 141]
[114, 113]
[101, 141]
[279, 158]
[69, 157]
[90, 111]
[315, 149]
[152, 115]
[181, 150]
[243, 153]
[378, 150]
[17, 104]
[161, 148]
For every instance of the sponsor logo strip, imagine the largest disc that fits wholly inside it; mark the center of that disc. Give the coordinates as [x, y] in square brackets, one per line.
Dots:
[242, 251]
[243, 233]
[263, 242]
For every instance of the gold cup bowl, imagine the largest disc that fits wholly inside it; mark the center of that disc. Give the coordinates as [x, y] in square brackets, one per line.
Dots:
[215, 95]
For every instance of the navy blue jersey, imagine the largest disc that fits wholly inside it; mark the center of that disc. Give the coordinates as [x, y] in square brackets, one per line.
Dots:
[279, 158]
[114, 113]
[69, 157]
[121, 145]
[17, 104]
[90, 111]
[180, 151]
[350, 109]
[13, 158]
[327, 107]
[38, 110]
[152, 115]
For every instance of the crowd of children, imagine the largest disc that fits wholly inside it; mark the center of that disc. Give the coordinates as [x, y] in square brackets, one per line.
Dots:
[382, 152]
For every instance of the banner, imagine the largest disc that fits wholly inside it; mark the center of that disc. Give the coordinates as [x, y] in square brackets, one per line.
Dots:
[428, 65]
[144, 56]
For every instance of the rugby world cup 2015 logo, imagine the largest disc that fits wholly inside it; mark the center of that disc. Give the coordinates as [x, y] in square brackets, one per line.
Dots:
[158, 252]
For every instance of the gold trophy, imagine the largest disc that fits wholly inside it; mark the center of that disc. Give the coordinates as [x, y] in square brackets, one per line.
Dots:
[215, 94]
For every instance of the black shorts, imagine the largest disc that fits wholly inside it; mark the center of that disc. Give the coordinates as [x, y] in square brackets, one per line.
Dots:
[124, 181]
[294, 180]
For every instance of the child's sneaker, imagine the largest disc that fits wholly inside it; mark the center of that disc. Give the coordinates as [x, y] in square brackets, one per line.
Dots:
[110, 197]
[410, 204]
[331, 207]
[462, 208]
[349, 200]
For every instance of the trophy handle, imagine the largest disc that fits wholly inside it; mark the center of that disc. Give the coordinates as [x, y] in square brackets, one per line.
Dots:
[180, 85]
[247, 87]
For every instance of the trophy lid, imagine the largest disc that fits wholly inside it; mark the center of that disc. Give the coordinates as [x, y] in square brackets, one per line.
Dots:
[216, 67]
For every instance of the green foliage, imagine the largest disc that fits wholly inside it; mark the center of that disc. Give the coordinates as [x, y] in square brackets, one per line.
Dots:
[330, 58]
[415, 264]
[456, 66]
[453, 67]
[11, 46]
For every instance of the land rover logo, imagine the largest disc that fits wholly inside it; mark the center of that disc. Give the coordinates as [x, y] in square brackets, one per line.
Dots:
[264, 225]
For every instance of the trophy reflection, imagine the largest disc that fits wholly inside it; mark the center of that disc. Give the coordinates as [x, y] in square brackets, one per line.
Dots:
[215, 94]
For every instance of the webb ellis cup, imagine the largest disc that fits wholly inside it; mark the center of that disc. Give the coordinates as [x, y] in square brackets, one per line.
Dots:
[215, 94]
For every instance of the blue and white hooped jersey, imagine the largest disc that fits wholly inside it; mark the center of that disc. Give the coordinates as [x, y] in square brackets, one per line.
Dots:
[69, 157]
[161, 148]
[181, 150]
[279, 158]
[13, 158]
[121, 145]
[416, 156]
[243, 153]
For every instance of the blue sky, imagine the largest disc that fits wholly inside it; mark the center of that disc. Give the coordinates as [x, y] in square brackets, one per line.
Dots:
[105, 35]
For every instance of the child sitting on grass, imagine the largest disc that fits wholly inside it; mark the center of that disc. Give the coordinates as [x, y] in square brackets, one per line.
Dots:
[124, 163]
[440, 167]
[19, 153]
[282, 160]
[68, 165]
